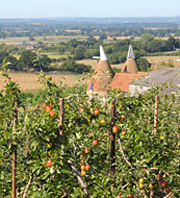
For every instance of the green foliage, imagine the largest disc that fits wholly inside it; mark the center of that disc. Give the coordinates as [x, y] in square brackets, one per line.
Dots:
[71, 66]
[31, 60]
[147, 37]
[36, 138]
[3, 55]
[26, 61]
[79, 53]
[143, 64]
[12, 61]
[31, 38]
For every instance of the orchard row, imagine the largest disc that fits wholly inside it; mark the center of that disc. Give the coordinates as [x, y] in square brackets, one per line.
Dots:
[88, 148]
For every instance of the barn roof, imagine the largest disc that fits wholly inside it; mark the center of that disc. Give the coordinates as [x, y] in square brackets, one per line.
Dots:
[160, 76]
[122, 80]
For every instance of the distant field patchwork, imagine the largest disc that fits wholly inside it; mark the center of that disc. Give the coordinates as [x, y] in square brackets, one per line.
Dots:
[47, 39]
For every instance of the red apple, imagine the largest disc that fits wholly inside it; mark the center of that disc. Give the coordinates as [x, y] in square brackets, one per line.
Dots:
[115, 129]
[88, 119]
[124, 132]
[103, 121]
[118, 196]
[86, 151]
[48, 108]
[83, 173]
[87, 167]
[91, 134]
[159, 183]
[49, 163]
[83, 167]
[96, 111]
[129, 195]
[51, 113]
[164, 184]
[123, 117]
[151, 186]
[159, 176]
[81, 110]
[95, 142]
[43, 104]
[82, 162]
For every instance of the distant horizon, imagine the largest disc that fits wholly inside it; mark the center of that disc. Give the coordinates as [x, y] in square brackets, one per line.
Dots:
[91, 17]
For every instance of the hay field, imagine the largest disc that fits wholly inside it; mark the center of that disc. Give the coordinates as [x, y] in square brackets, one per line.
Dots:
[159, 60]
[28, 81]
[93, 63]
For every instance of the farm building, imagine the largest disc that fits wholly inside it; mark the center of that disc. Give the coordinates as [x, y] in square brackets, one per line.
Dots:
[30, 47]
[158, 77]
[104, 79]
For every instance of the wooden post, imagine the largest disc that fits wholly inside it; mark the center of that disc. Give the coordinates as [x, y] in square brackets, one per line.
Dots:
[156, 114]
[112, 154]
[14, 152]
[61, 118]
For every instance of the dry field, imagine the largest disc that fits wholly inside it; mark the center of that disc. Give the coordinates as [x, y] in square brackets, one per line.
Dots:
[28, 81]
[93, 63]
[159, 60]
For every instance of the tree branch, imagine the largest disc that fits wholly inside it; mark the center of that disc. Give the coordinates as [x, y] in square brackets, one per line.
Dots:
[170, 195]
[122, 152]
[79, 178]
[27, 187]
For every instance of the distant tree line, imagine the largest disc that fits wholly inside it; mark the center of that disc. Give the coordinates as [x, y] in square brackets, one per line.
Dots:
[104, 28]
[30, 61]
[78, 50]
[27, 61]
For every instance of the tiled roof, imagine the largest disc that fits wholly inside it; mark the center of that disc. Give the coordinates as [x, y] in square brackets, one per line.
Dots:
[122, 80]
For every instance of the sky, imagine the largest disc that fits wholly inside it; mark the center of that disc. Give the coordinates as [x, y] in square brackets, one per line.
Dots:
[88, 8]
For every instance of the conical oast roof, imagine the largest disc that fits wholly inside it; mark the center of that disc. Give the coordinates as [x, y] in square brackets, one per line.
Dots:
[130, 65]
[130, 54]
[102, 76]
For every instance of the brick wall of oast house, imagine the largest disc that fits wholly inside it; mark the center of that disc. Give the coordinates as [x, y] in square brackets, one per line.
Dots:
[102, 76]
[130, 66]
[122, 80]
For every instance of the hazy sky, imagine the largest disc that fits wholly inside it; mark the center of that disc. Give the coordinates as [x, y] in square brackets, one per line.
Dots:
[88, 8]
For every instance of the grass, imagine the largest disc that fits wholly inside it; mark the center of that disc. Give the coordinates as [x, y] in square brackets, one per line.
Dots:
[28, 81]
[51, 55]
[55, 55]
